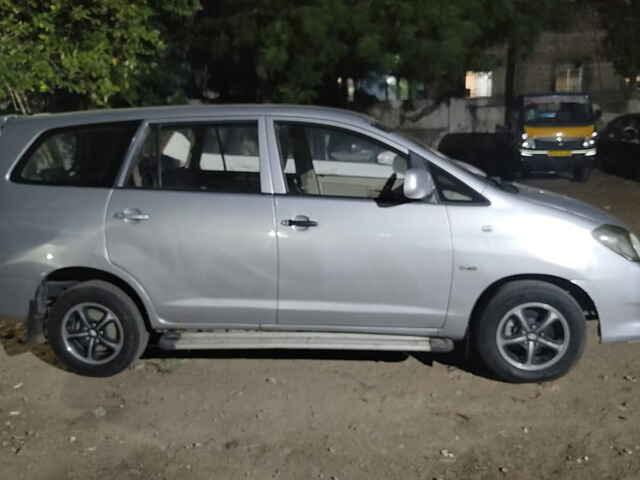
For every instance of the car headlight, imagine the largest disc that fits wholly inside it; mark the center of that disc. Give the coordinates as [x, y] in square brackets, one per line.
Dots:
[529, 143]
[589, 142]
[619, 240]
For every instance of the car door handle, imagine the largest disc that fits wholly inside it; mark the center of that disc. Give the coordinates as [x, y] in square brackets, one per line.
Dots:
[131, 215]
[299, 221]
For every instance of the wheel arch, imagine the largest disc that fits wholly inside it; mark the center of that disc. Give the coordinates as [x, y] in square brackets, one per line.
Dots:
[59, 280]
[578, 293]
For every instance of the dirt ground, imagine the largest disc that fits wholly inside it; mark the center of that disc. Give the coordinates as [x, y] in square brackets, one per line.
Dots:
[325, 415]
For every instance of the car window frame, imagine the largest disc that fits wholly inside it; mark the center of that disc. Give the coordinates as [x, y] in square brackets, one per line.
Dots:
[46, 133]
[278, 175]
[480, 201]
[265, 171]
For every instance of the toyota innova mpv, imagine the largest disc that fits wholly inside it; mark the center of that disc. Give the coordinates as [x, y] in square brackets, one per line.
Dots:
[227, 227]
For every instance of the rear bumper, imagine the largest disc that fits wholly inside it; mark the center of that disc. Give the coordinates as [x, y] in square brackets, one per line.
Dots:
[544, 161]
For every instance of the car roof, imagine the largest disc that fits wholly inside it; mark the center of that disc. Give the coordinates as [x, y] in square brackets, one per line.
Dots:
[52, 120]
[625, 116]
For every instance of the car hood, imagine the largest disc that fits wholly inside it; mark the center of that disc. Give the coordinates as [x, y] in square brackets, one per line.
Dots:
[566, 204]
[556, 201]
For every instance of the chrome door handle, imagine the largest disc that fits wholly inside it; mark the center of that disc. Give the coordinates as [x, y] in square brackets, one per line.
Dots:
[131, 215]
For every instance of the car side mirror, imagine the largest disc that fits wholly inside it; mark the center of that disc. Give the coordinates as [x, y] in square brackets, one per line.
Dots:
[597, 115]
[418, 184]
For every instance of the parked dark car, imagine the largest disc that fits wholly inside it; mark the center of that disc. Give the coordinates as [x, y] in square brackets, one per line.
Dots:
[490, 152]
[619, 146]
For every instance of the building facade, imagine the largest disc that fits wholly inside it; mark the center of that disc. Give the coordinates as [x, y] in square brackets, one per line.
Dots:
[568, 61]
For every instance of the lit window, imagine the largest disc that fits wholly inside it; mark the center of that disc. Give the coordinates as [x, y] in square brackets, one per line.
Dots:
[351, 90]
[628, 80]
[569, 78]
[479, 84]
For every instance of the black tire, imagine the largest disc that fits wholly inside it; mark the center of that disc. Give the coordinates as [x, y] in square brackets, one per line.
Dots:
[607, 166]
[92, 298]
[516, 173]
[581, 174]
[523, 172]
[503, 361]
[636, 172]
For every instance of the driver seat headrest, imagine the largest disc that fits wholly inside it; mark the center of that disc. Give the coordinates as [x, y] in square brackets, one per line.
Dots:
[400, 165]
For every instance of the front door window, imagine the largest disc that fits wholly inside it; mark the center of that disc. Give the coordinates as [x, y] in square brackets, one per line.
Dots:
[327, 161]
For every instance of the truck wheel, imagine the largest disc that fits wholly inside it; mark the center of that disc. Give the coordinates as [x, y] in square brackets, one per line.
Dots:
[581, 174]
[95, 329]
[530, 331]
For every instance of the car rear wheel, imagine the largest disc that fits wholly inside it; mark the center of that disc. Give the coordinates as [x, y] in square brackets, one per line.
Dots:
[530, 331]
[606, 164]
[95, 329]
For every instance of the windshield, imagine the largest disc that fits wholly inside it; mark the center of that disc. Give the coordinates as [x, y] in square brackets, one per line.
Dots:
[558, 110]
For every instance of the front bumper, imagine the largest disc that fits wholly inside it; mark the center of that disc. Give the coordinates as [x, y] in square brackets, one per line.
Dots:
[615, 291]
[551, 161]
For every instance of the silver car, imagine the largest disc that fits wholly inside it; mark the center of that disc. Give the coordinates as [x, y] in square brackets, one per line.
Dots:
[293, 227]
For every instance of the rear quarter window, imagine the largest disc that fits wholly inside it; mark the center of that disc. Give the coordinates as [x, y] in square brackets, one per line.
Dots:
[83, 156]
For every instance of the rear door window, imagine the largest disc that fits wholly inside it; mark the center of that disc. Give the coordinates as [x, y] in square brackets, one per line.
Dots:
[83, 156]
[199, 157]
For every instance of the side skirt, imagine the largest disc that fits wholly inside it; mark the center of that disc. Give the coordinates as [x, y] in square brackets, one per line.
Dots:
[249, 340]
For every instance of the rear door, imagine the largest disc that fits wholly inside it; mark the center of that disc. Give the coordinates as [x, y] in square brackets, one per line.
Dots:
[192, 221]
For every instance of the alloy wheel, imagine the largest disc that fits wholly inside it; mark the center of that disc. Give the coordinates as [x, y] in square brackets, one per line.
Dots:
[533, 336]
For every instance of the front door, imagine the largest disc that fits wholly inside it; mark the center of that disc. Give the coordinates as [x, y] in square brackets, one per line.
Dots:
[353, 253]
[193, 225]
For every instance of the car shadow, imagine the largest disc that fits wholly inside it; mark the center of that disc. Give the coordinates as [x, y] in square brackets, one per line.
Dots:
[12, 342]
[275, 354]
[547, 176]
[459, 358]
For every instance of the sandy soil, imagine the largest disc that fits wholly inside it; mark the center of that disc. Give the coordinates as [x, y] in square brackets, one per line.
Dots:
[324, 415]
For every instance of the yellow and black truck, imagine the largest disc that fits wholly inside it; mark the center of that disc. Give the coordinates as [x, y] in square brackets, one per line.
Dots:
[555, 133]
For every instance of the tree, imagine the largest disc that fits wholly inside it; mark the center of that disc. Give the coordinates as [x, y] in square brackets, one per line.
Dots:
[517, 24]
[272, 50]
[620, 20]
[275, 50]
[91, 53]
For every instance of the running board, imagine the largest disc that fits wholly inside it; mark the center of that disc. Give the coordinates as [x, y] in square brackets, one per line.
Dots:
[249, 340]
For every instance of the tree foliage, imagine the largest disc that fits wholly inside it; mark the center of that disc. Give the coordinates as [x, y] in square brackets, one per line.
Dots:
[99, 50]
[291, 52]
[621, 22]
[121, 52]
[284, 51]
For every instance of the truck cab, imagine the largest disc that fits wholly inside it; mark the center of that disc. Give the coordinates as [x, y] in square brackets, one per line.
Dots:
[555, 133]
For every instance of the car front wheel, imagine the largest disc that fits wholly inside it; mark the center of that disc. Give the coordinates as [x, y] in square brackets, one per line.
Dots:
[95, 329]
[530, 331]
